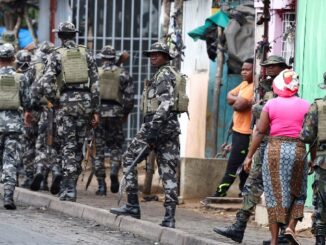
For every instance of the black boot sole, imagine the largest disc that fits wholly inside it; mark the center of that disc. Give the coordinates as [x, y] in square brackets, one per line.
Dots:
[36, 184]
[218, 231]
[125, 214]
[114, 183]
[55, 187]
[10, 206]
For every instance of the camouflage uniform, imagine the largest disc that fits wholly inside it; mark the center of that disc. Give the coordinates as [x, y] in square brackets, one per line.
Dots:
[76, 104]
[23, 60]
[11, 129]
[313, 132]
[46, 156]
[114, 111]
[161, 131]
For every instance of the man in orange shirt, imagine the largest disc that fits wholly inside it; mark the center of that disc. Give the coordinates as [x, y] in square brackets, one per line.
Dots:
[240, 98]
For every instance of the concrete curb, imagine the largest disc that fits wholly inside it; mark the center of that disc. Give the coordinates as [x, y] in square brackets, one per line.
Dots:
[104, 217]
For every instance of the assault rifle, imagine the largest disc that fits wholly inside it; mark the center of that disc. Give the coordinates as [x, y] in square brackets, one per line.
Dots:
[89, 152]
[123, 57]
[50, 130]
[131, 168]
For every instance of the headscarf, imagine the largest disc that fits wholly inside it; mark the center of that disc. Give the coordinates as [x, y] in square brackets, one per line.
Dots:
[286, 84]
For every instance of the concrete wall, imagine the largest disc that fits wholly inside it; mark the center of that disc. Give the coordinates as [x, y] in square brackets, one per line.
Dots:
[197, 91]
[195, 66]
[199, 178]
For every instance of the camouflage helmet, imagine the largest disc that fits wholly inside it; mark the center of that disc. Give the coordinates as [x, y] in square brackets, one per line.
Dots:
[7, 50]
[158, 47]
[46, 47]
[9, 37]
[23, 56]
[66, 27]
[108, 52]
[274, 60]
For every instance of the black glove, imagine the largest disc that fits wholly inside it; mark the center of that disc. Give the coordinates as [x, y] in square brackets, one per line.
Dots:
[151, 136]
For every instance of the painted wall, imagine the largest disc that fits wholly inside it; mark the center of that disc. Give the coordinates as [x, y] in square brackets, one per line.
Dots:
[195, 66]
[275, 28]
[310, 59]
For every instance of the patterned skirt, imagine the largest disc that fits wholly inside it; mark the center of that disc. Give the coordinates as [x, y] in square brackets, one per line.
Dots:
[285, 179]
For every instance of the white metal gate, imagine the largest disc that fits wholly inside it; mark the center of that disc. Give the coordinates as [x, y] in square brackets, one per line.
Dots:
[131, 25]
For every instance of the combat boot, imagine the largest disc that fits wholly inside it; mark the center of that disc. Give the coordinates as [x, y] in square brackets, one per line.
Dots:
[56, 180]
[236, 230]
[71, 192]
[114, 178]
[8, 199]
[131, 208]
[28, 180]
[38, 177]
[169, 220]
[44, 183]
[63, 189]
[320, 240]
[101, 187]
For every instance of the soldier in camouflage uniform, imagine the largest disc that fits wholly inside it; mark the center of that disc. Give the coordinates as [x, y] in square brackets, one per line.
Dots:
[13, 96]
[314, 133]
[23, 64]
[70, 83]
[46, 155]
[160, 131]
[253, 187]
[117, 100]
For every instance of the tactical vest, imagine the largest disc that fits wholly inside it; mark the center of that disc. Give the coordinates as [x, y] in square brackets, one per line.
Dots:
[110, 84]
[9, 91]
[74, 68]
[39, 71]
[181, 99]
[321, 106]
[39, 67]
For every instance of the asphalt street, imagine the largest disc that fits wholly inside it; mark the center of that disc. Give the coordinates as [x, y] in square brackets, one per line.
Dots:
[33, 226]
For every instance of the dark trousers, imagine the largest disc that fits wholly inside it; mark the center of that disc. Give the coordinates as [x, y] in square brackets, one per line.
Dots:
[240, 143]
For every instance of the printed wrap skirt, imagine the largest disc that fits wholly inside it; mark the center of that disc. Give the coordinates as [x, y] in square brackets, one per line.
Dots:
[285, 179]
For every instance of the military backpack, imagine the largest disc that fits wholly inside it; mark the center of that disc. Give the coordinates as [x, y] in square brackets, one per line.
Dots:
[74, 66]
[181, 100]
[321, 106]
[9, 91]
[110, 84]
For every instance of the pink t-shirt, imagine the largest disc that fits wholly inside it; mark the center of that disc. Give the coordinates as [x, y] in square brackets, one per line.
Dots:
[286, 115]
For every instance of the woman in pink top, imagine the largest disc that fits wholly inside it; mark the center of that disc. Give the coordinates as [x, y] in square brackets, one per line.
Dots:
[284, 170]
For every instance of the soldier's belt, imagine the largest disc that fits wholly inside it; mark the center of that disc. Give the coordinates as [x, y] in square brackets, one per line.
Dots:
[65, 90]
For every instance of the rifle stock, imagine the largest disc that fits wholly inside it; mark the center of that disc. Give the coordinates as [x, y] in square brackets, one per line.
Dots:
[124, 56]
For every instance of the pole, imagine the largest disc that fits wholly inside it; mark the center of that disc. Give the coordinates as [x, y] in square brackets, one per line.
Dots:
[217, 89]
[53, 9]
[178, 13]
[166, 18]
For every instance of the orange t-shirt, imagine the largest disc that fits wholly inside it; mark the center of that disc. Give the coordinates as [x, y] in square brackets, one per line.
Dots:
[242, 119]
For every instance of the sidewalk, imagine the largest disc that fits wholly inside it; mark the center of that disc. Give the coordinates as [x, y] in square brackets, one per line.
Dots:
[194, 223]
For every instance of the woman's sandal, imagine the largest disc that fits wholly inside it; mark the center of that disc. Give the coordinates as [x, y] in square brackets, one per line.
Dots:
[290, 236]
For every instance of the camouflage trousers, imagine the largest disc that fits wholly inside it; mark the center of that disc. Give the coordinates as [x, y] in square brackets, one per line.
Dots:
[46, 156]
[108, 134]
[167, 152]
[10, 151]
[29, 144]
[253, 187]
[73, 120]
[319, 202]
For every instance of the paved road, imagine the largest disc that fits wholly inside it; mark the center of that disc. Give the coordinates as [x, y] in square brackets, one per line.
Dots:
[31, 226]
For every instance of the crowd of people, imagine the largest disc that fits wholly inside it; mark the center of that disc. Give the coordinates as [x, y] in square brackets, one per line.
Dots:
[276, 160]
[51, 100]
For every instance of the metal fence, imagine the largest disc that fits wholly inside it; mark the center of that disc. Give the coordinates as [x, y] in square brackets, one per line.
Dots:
[131, 25]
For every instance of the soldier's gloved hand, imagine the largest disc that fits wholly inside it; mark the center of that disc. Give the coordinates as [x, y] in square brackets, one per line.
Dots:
[151, 136]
